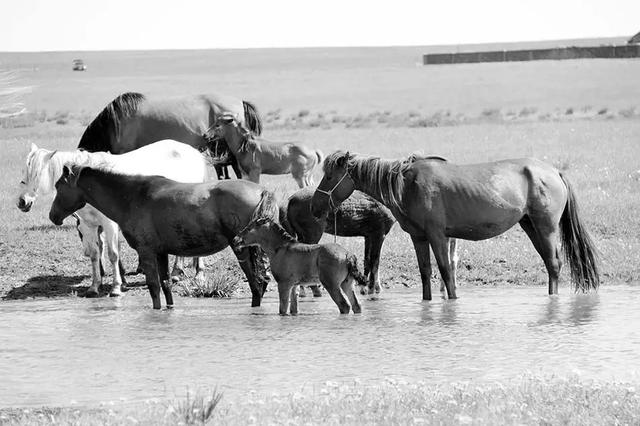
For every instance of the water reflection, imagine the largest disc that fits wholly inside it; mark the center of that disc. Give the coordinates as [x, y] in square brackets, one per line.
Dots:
[582, 309]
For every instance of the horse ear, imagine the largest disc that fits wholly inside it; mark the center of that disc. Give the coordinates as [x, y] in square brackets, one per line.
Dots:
[227, 117]
[343, 160]
[50, 155]
[72, 174]
[34, 147]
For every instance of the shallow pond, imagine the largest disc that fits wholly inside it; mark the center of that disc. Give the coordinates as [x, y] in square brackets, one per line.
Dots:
[88, 351]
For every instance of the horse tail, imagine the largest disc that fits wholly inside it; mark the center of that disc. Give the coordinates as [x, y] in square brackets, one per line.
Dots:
[105, 128]
[252, 118]
[352, 267]
[579, 250]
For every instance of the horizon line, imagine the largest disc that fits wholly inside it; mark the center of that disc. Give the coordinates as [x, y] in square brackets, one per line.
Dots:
[543, 40]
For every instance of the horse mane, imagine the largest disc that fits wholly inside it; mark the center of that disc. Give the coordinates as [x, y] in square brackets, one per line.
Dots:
[267, 207]
[282, 233]
[100, 133]
[46, 174]
[384, 176]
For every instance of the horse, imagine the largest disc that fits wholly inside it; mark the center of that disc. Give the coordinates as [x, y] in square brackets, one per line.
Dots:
[167, 158]
[258, 156]
[358, 216]
[159, 216]
[293, 263]
[132, 120]
[434, 200]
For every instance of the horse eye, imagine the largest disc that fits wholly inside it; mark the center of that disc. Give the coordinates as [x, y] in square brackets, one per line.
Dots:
[23, 182]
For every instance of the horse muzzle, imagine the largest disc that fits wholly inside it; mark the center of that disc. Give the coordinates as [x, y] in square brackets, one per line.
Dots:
[24, 204]
[55, 218]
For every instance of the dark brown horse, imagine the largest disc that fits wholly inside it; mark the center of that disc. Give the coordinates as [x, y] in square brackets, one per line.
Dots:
[133, 120]
[358, 216]
[159, 216]
[434, 201]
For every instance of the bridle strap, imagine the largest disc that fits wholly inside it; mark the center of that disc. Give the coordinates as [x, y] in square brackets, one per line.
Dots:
[332, 205]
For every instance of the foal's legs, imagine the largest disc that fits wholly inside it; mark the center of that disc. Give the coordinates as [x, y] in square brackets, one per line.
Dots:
[545, 239]
[92, 245]
[284, 293]
[294, 299]
[440, 246]
[333, 286]
[348, 289]
[421, 246]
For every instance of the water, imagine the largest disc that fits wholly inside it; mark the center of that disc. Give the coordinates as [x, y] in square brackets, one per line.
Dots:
[89, 351]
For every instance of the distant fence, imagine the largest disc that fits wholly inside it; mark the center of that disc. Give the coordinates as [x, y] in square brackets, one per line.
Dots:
[574, 52]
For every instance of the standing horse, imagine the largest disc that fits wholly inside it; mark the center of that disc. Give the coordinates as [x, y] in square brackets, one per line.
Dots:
[435, 200]
[358, 216]
[167, 158]
[293, 263]
[159, 216]
[133, 120]
[257, 156]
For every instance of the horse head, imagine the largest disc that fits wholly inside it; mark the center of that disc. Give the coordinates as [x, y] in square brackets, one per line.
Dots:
[229, 128]
[34, 180]
[69, 197]
[336, 184]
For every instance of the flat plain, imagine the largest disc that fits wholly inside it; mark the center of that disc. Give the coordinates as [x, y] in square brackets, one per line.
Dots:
[583, 116]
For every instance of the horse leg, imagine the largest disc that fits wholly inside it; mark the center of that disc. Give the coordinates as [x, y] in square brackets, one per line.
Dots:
[110, 232]
[165, 281]
[546, 244]
[302, 291]
[332, 285]
[453, 262]
[92, 245]
[284, 294]
[149, 263]
[294, 300]
[234, 165]
[348, 289]
[423, 254]
[440, 245]
[198, 265]
[367, 266]
[253, 267]
[177, 273]
[374, 259]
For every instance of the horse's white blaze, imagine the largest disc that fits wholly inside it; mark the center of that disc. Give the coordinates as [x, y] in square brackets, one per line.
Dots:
[168, 158]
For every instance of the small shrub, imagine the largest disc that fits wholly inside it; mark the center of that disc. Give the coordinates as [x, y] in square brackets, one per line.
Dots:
[219, 283]
[491, 113]
[603, 111]
[628, 112]
[303, 113]
[527, 111]
[568, 111]
[197, 410]
[62, 121]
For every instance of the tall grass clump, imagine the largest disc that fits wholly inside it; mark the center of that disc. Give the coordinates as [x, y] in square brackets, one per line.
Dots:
[196, 410]
[219, 283]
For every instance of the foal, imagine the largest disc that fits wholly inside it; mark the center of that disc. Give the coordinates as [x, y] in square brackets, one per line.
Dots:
[258, 156]
[294, 263]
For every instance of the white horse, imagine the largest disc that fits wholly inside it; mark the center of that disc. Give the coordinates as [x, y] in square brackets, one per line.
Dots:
[168, 158]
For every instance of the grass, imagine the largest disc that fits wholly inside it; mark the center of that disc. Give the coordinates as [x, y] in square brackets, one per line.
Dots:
[525, 401]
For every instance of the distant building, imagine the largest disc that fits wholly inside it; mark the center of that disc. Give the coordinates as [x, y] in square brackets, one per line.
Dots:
[635, 39]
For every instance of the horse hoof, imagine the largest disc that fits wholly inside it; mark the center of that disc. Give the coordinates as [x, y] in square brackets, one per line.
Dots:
[115, 293]
[169, 306]
[91, 293]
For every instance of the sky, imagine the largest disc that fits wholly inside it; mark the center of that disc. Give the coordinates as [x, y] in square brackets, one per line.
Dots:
[46, 25]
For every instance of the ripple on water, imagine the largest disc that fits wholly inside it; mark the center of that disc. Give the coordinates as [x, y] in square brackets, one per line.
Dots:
[92, 350]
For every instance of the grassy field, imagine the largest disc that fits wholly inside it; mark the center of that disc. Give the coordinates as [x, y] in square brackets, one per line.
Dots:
[530, 401]
[581, 116]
